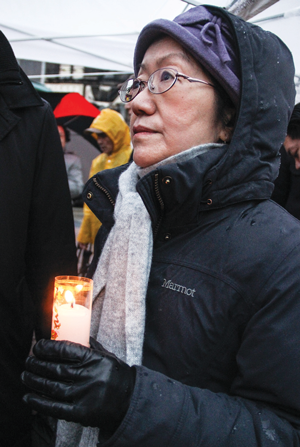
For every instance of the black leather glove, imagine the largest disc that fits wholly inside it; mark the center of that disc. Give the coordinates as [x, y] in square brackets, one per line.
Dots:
[86, 385]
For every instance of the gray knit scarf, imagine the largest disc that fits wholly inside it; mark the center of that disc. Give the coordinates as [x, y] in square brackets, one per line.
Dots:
[120, 284]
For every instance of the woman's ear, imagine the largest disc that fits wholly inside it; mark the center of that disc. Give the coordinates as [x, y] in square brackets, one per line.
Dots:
[228, 127]
[226, 134]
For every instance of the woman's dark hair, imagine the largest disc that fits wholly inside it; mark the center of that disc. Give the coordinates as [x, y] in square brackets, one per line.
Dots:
[225, 107]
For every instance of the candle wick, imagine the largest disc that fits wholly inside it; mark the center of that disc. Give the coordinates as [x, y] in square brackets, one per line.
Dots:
[72, 304]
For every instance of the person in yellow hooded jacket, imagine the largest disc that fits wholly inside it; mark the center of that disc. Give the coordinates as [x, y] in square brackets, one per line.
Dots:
[113, 137]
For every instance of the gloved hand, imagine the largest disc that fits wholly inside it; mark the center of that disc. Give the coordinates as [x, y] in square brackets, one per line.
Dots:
[75, 383]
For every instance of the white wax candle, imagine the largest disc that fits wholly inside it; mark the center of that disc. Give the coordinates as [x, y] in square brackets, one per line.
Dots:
[75, 323]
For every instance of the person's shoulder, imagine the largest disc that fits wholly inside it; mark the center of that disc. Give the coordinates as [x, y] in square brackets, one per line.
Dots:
[45, 104]
[278, 222]
[265, 221]
[98, 158]
[73, 158]
[113, 173]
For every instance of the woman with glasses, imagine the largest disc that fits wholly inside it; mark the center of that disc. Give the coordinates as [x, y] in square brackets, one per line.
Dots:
[196, 282]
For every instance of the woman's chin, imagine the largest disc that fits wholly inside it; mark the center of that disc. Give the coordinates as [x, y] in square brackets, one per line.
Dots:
[141, 158]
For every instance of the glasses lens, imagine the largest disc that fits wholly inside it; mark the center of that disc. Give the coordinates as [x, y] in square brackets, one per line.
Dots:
[129, 90]
[161, 80]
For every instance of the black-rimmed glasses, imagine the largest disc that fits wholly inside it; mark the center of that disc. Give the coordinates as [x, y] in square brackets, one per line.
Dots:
[159, 82]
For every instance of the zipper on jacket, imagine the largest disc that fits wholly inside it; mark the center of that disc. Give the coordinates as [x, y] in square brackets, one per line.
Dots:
[105, 191]
[162, 206]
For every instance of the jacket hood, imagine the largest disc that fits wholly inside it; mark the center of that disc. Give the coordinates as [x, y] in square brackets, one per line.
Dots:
[251, 163]
[113, 125]
[246, 170]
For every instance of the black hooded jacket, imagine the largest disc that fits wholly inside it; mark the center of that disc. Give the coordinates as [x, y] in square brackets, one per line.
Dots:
[36, 234]
[221, 363]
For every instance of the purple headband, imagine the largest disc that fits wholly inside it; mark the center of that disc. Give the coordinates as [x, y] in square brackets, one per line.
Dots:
[207, 37]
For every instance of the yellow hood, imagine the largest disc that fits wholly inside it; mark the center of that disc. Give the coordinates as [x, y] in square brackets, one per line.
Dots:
[113, 125]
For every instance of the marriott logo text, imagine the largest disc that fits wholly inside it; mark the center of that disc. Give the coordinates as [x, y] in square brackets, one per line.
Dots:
[178, 288]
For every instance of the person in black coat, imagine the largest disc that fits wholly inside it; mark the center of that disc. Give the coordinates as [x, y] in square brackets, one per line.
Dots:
[36, 234]
[196, 271]
[287, 185]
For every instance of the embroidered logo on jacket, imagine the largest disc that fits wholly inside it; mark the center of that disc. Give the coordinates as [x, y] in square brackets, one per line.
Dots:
[178, 288]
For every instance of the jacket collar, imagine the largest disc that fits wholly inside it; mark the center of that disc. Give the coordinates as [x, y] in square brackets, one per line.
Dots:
[174, 192]
[15, 88]
[177, 191]
[9, 69]
[8, 119]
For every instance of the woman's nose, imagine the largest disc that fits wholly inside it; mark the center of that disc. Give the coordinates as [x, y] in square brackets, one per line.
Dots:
[144, 102]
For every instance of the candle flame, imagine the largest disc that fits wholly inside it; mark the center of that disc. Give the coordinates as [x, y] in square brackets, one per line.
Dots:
[69, 297]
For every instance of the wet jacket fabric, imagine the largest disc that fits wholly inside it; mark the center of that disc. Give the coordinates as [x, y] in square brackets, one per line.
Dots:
[287, 185]
[116, 129]
[36, 234]
[221, 363]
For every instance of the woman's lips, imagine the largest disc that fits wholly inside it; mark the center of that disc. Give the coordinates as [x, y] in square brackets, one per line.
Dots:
[138, 130]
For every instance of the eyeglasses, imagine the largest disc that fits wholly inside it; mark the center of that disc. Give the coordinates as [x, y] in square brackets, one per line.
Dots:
[159, 82]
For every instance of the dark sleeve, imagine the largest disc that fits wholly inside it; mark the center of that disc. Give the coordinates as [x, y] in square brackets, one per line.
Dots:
[263, 407]
[283, 181]
[51, 241]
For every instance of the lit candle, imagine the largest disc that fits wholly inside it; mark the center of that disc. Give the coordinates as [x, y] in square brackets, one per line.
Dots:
[72, 309]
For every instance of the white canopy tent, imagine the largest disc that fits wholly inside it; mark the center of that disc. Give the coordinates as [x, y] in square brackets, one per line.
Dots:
[102, 33]
[98, 34]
